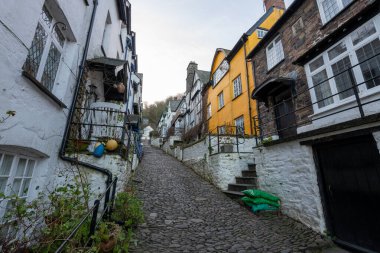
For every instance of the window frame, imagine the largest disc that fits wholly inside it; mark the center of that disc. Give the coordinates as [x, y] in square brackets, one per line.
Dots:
[209, 112]
[10, 181]
[273, 54]
[357, 72]
[51, 39]
[322, 12]
[220, 100]
[239, 91]
[261, 33]
[240, 119]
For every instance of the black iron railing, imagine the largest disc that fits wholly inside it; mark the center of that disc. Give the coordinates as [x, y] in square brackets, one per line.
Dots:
[227, 139]
[95, 214]
[100, 124]
[271, 123]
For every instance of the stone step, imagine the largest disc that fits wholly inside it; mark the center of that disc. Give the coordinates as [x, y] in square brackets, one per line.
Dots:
[240, 187]
[246, 180]
[251, 166]
[249, 173]
[234, 194]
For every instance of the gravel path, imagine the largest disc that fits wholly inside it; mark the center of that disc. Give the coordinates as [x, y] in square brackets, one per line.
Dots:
[186, 214]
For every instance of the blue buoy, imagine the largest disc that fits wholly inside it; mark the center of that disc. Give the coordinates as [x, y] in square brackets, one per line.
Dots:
[99, 151]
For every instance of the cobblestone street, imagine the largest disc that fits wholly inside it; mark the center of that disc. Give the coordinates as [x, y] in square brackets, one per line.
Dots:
[186, 214]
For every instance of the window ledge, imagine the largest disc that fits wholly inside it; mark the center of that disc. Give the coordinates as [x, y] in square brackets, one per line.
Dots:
[237, 96]
[346, 103]
[221, 108]
[44, 89]
[275, 66]
[336, 16]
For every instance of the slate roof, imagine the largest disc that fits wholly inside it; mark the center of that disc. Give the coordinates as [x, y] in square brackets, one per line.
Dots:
[204, 76]
[174, 104]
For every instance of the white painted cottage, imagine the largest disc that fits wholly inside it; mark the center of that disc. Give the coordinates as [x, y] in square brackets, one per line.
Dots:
[69, 71]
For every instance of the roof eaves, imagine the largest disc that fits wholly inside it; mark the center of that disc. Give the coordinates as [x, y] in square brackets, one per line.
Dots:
[273, 31]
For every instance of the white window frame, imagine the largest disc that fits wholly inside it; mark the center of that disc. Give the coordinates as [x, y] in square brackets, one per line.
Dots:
[50, 39]
[275, 54]
[220, 100]
[237, 85]
[220, 72]
[358, 76]
[10, 181]
[261, 33]
[209, 112]
[322, 12]
[239, 124]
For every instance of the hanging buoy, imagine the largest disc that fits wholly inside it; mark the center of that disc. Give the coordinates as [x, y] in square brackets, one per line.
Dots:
[120, 88]
[99, 150]
[111, 145]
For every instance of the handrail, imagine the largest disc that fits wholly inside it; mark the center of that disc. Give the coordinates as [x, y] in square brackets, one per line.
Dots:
[267, 122]
[94, 211]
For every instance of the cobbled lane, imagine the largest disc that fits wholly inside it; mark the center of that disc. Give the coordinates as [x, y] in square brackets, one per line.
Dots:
[183, 213]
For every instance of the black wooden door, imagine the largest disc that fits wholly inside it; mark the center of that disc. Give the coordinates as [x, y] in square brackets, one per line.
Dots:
[350, 176]
[285, 118]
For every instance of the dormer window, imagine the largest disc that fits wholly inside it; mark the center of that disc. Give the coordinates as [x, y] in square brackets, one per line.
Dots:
[45, 52]
[261, 33]
[330, 8]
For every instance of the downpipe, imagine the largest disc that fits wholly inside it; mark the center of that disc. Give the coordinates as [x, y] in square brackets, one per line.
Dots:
[71, 112]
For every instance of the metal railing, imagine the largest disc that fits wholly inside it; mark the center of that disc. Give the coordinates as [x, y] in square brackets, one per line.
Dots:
[268, 123]
[96, 216]
[100, 124]
[226, 139]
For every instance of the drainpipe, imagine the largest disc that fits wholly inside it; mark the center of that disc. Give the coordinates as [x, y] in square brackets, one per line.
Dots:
[249, 92]
[71, 112]
[257, 102]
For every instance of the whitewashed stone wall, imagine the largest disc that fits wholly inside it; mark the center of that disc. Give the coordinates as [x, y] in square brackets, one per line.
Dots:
[114, 163]
[288, 171]
[156, 142]
[37, 129]
[219, 169]
[376, 135]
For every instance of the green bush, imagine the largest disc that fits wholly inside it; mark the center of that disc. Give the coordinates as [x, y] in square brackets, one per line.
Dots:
[127, 210]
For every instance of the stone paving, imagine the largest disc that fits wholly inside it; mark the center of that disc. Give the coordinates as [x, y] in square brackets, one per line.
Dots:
[186, 214]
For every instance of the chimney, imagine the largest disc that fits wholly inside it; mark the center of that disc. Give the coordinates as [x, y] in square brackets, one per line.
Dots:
[193, 66]
[275, 3]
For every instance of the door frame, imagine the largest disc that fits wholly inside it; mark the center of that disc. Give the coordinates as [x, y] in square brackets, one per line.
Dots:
[321, 183]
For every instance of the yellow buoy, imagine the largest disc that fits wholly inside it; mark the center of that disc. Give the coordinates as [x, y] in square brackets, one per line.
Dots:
[111, 145]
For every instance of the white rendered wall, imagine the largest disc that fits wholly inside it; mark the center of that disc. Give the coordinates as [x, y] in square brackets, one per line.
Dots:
[288, 171]
[39, 122]
[376, 135]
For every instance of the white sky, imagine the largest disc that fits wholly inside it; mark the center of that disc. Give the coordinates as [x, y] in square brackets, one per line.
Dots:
[171, 33]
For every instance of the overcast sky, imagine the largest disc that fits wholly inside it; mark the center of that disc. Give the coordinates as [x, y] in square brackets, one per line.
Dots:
[171, 33]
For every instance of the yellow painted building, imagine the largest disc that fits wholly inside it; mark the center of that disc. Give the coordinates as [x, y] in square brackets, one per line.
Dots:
[228, 99]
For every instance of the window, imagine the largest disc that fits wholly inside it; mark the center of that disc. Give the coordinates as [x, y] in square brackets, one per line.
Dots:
[330, 76]
[44, 54]
[220, 72]
[209, 111]
[239, 123]
[297, 26]
[261, 33]
[275, 53]
[329, 8]
[16, 173]
[220, 100]
[237, 86]
[106, 34]
[222, 130]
